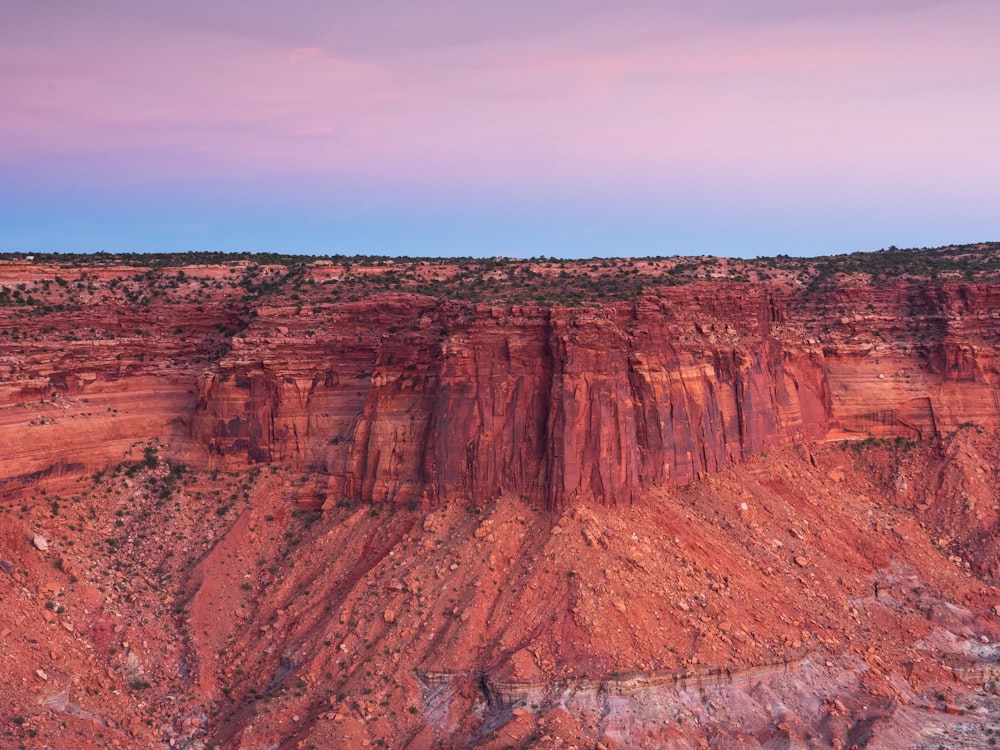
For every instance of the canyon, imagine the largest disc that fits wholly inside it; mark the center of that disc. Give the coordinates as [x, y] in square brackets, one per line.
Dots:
[257, 501]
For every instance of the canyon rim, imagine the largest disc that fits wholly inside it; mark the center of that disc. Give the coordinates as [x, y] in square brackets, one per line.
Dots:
[261, 501]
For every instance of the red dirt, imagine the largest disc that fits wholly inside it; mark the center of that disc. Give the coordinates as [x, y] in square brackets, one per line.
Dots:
[717, 515]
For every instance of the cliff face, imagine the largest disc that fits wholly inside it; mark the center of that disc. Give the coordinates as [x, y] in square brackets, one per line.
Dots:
[404, 397]
[413, 399]
[95, 360]
[912, 361]
[185, 605]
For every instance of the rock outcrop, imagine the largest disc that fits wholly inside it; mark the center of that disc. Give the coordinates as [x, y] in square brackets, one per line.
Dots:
[411, 398]
[406, 398]
[428, 504]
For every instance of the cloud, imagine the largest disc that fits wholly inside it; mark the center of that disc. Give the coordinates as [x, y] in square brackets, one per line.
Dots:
[562, 97]
[306, 54]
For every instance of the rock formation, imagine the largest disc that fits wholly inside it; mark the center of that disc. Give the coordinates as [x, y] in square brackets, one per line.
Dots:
[278, 496]
[404, 397]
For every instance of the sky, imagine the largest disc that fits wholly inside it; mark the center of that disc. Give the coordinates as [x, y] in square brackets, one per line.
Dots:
[559, 128]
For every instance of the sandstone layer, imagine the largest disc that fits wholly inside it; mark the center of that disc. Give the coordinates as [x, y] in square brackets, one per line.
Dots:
[285, 503]
[412, 398]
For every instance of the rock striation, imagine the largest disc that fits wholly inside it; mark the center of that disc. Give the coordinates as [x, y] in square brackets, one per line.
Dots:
[408, 398]
[415, 399]
[345, 503]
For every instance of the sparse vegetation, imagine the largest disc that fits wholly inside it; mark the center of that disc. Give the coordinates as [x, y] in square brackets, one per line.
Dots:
[318, 281]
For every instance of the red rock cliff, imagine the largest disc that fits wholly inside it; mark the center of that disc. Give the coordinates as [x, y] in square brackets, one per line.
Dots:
[410, 398]
[405, 397]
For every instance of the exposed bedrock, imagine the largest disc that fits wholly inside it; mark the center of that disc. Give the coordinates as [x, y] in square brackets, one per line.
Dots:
[414, 399]
[406, 398]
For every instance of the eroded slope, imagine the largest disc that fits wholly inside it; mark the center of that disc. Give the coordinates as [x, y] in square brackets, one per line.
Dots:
[293, 504]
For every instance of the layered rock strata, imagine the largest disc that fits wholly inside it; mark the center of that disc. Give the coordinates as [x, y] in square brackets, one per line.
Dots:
[412, 398]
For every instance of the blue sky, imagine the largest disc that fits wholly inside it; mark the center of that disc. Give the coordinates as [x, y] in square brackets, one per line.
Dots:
[568, 129]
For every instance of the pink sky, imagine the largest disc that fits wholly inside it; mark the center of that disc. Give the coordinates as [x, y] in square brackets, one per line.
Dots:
[644, 113]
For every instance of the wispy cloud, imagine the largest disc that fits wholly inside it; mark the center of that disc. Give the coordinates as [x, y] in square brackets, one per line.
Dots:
[647, 103]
